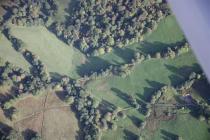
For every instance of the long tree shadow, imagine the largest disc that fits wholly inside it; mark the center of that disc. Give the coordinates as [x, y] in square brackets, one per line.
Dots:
[149, 91]
[180, 74]
[168, 135]
[93, 64]
[55, 77]
[126, 54]
[129, 135]
[106, 106]
[153, 47]
[136, 121]
[202, 88]
[4, 130]
[124, 96]
[184, 70]
[195, 109]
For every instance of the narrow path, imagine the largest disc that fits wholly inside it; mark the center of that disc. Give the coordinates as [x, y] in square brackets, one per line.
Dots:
[43, 111]
[39, 111]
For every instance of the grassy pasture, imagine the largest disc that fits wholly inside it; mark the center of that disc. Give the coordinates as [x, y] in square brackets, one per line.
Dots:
[143, 81]
[186, 126]
[56, 55]
[7, 53]
[146, 77]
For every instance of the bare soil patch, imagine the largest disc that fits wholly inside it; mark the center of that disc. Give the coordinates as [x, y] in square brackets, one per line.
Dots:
[32, 123]
[48, 115]
[29, 105]
[60, 124]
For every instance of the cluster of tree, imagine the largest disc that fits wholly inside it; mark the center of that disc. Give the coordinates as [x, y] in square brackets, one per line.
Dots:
[133, 102]
[39, 77]
[120, 70]
[125, 69]
[23, 82]
[188, 83]
[85, 106]
[16, 135]
[33, 12]
[96, 26]
[38, 69]
[172, 52]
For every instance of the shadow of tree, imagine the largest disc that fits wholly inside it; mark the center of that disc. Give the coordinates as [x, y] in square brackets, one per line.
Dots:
[9, 112]
[93, 64]
[168, 135]
[8, 13]
[124, 96]
[61, 95]
[153, 47]
[202, 87]
[148, 91]
[4, 128]
[180, 74]
[106, 106]
[136, 121]
[28, 134]
[55, 77]
[129, 135]
[185, 70]
[126, 54]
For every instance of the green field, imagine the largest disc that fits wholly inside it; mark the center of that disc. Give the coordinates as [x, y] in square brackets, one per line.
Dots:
[186, 126]
[8, 53]
[145, 79]
[56, 55]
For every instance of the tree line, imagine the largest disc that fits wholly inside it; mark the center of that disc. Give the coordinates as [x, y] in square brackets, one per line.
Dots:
[124, 70]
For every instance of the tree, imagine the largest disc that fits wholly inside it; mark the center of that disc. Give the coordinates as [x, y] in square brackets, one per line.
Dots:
[201, 118]
[101, 51]
[95, 103]
[110, 41]
[36, 137]
[158, 55]
[83, 45]
[113, 126]
[140, 138]
[108, 116]
[122, 115]
[179, 138]
[143, 124]
[70, 100]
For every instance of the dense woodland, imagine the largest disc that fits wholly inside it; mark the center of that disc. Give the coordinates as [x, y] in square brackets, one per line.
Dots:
[95, 27]
[33, 12]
